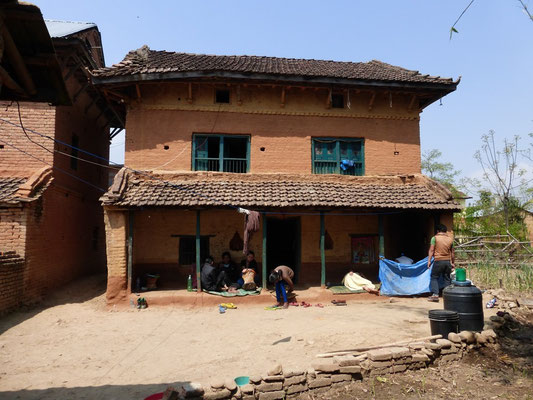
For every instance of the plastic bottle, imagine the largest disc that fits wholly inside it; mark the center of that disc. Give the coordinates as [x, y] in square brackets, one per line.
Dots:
[189, 284]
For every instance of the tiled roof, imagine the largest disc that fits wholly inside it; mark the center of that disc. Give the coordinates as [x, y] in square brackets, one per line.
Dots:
[277, 191]
[9, 187]
[146, 61]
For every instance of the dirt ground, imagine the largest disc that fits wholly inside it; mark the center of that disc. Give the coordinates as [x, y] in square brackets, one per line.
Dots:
[503, 373]
[74, 347]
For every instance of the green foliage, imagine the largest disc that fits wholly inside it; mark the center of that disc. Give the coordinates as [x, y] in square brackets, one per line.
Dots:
[489, 276]
[443, 172]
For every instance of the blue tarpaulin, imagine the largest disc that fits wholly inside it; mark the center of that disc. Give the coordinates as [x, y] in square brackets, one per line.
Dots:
[402, 279]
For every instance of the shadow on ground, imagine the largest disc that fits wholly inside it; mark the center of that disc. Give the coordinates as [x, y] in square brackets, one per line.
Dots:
[106, 392]
[79, 291]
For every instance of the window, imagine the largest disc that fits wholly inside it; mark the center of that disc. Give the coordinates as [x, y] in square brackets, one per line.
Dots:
[337, 100]
[223, 153]
[222, 96]
[75, 142]
[187, 254]
[338, 156]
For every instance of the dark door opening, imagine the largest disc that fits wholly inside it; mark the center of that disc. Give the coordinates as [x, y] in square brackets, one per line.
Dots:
[283, 244]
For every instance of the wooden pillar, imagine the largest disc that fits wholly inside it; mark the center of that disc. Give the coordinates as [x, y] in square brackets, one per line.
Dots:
[198, 280]
[264, 252]
[381, 232]
[322, 250]
[130, 249]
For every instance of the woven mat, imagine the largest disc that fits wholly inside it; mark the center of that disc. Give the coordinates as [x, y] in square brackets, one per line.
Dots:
[239, 292]
[341, 289]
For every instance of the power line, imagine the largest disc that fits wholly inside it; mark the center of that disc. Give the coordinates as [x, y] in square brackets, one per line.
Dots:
[53, 166]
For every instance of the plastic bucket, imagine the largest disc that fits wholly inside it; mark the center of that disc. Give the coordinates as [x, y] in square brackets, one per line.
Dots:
[242, 380]
[460, 274]
[443, 322]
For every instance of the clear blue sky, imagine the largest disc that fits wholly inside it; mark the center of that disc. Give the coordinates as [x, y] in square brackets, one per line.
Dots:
[492, 51]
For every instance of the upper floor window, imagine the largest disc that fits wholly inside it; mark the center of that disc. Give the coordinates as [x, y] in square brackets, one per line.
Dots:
[223, 153]
[75, 143]
[338, 156]
[222, 96]
[337, 100]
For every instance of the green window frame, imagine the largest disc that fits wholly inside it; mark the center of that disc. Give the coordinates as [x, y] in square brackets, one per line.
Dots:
[343, 156]
[222, 153]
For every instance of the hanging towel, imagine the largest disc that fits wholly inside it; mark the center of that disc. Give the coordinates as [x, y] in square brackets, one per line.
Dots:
[251, 225]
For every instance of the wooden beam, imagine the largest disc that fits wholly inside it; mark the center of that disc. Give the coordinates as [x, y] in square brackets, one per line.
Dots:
[130, 249]
[72, 70]
[411, 103]
[92, 103]
[371, 102]
[328, 100]
[138, 90]
[6, 80]
[282, 105]
[80, 90]
[239, 101]
[381, 232]
[16, 60]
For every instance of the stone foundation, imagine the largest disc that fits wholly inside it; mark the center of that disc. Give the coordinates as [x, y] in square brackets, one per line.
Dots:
[278, 384]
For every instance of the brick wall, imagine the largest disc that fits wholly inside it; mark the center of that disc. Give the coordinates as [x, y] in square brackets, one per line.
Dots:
[116, 231]
[11, 280]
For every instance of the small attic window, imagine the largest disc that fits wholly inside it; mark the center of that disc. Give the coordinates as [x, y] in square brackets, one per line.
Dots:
[222, 96]
[337, 100]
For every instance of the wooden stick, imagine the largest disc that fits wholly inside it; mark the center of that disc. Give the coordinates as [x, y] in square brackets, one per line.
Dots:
[363, 349]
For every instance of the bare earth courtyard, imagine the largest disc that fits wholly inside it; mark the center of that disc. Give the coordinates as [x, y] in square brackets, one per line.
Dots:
[75, 347]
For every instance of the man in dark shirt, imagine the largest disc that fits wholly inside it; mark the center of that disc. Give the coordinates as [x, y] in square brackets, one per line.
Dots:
[230, 268]
[213, 279]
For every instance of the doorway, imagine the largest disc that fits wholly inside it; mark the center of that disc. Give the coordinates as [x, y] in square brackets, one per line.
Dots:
[283, 244]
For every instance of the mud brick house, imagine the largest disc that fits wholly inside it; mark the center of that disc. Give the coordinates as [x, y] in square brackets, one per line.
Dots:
[51, 222]
[328, 152]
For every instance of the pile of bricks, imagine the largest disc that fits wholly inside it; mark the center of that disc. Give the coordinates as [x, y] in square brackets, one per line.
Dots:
[279, 384]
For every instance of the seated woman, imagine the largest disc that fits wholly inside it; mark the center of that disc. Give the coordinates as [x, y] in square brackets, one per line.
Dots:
[230, 268]
[250, 274]
[356, 282]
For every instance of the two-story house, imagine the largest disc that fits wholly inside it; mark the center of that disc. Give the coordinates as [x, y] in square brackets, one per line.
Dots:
[328, 152]
[51, 221]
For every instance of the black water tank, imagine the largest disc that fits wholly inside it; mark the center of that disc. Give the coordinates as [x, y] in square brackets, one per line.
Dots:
[443, 322]
[466, 300]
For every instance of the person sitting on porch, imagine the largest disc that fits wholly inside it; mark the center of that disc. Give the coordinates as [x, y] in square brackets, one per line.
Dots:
[280, 276]
[249, 269]
[230, 268]
[213, 279]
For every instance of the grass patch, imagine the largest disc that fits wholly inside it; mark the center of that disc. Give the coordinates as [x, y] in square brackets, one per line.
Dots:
[510, 278]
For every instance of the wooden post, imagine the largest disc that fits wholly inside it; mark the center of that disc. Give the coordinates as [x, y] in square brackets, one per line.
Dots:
[264, 253]
[381, 236]
[130, 249]
[198, 280]
[322, 250]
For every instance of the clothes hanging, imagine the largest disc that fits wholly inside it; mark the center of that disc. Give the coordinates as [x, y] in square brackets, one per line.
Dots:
[251, 225]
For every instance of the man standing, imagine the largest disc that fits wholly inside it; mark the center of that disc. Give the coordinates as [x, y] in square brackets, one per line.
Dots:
[442, 251]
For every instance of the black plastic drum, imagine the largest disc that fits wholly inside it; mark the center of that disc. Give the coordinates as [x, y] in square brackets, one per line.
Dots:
[466, 300]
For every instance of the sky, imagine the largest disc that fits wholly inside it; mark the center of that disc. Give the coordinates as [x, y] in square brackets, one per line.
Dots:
[492, 51]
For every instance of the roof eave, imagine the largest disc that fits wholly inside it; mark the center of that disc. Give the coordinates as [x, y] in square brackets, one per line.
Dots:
[167, 76]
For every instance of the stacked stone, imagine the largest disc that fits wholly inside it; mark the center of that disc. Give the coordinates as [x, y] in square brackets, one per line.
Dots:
[278, 384]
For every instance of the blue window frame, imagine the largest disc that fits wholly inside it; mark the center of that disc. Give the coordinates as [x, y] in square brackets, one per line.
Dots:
[344, 156]
[223, 153]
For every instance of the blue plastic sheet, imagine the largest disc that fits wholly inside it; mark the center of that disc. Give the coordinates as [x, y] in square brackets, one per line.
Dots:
[402, 279]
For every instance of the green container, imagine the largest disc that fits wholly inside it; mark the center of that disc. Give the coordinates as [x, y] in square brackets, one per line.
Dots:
[189, 284]
[460, 274]
[242, 380]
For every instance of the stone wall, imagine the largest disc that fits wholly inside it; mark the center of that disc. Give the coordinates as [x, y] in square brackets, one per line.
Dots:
[278, 384]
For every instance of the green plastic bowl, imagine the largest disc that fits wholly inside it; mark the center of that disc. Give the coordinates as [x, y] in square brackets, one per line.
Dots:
[242, 380]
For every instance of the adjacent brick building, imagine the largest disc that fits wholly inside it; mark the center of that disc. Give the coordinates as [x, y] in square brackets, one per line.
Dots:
[51, 223]
[328, 152]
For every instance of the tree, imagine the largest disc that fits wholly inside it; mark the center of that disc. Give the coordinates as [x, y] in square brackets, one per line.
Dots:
[502, 172]
[444, 172]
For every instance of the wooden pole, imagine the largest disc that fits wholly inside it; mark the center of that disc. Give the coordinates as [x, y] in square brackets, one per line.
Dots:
[367, 348]
[264, 253]
[198, 280]
[322, 250]
[381, 231]
[130, 249]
